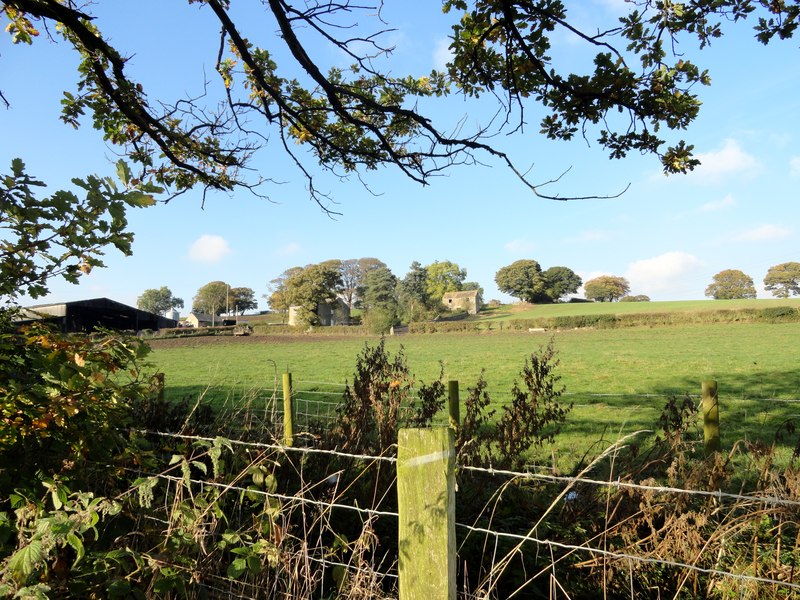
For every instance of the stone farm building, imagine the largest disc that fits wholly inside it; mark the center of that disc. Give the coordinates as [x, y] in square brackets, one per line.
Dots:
[336, 313]
[467, 301]
[198, 319]
[86, 315]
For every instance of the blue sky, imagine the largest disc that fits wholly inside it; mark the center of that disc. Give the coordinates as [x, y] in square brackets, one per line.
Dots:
[667, 235]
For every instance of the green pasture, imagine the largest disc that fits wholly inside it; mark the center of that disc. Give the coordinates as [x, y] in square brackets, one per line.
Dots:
[508, 312]
[618, 379]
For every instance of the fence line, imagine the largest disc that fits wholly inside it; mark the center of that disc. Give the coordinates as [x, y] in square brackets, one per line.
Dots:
[632, 557]
[501, 392]
[674, 393]
[278, 447]
[292, 499]
[720, 495]
[472, 529]
[417, 536]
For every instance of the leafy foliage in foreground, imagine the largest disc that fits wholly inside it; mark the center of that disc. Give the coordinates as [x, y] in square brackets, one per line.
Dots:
[62, 234]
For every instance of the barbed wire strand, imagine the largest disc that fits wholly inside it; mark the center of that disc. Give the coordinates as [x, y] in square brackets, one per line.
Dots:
[277, 447]
[774, 500]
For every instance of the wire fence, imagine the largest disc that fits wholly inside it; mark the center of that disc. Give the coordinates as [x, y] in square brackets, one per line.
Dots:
[503, 541]
[508, 542]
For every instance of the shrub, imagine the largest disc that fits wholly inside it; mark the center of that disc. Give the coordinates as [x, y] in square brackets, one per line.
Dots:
[381, 400]
[780, 314]
[64, 398]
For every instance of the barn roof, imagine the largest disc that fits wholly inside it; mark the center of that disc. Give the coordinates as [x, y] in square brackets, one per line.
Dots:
[467, 294]
[85, 315]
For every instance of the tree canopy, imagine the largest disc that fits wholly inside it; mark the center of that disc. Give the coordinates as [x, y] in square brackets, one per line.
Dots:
[378, 293]
[523, 279]
[442, 277]
[606, 288]
[352, 273]
[212, 298]
[271, 89]
[241, 299]
[731, 284]
[560, 282]
[413, 292]
[310, 286]
[158, 301]
[783, 280]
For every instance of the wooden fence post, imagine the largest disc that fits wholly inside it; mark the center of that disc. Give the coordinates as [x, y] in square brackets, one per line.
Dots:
[288, 416]
[710, 416]
[426, 507]
[453, 404]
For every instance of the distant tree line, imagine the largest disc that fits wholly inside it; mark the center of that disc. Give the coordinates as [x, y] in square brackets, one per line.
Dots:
[368, 285]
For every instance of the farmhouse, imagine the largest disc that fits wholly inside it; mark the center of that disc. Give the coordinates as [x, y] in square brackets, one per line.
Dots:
[467, 301]
[86, 315]
[336, 313]
[198, 319]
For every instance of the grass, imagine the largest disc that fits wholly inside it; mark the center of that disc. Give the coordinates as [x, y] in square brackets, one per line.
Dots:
[618, 379]
[509, 312]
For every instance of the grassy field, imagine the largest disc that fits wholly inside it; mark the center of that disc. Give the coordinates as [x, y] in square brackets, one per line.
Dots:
[508, 312]
[619, 379]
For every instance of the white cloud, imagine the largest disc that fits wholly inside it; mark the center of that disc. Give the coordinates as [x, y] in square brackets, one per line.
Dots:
[520, 247]
[288, 249]
[662, 273]
[763, 233]
[726, 202]
[794, 166]
[731, 160]
[209, 249]
[442, 54]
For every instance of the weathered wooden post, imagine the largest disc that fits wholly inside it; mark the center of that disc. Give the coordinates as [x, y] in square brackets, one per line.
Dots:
[453, 404]
[426, 507]
[288, 416]
[710, 416]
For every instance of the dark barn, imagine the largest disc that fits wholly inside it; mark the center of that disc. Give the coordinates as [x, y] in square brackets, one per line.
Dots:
[86, 315]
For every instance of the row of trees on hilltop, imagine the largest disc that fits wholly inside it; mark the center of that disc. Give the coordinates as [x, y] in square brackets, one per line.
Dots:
[782, 280]
[525, 279]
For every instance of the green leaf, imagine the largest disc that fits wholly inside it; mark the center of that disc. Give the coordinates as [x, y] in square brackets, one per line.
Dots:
[237, 568]
[25, 560]
[75, 542]
[139, 199]
[119, 588]
[200, 466]
[123, 172]
[163, 585]
[253, 563]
